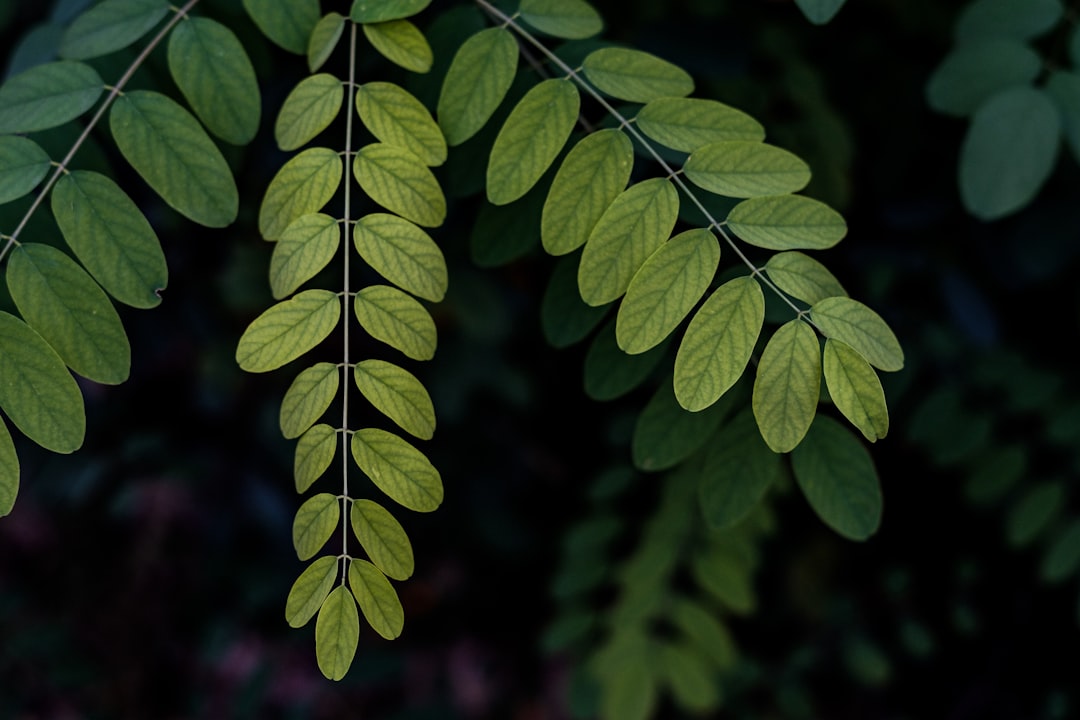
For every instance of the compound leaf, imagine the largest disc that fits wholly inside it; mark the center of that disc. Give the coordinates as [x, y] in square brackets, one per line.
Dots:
[397, 319]
[397, 179]
[325, 36]
[383, 539]
[635, 76]
[855, 389]
[973, 72]
[476, 83]
[337, 632]
[308, 110]
[736, 471]
[397, 393]
[308, 398]
[802, 277]
[686, 124]
[787, 222]
[315, 522]
[397, 118]
[9, 471]
[788, 385]
[568, 19]
[860, 327]
[314, 452]
[287, 330]
[302, 186]
[23, 164]
[377, 11]
[746, 169]
[310, 590]
[377, 599]
[109, 26]
[48, 95]
[288, 23]
[402, 43]
[398, 469]
[306, 247]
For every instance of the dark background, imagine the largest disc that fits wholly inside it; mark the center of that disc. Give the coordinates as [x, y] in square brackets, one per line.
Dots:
[145, 576]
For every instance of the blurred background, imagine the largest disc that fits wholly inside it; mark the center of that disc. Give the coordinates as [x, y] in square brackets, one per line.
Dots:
[145, 576]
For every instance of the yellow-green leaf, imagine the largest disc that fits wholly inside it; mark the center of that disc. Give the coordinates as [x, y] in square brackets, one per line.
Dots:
[860, 327]
[476, 83]
[9, 471]
[308, 398]
[288, 23]
[569, 19]
[109, 26]
[402, 43]
[308, 110]
[287, 330]
[636, 223]
[403, 254]
[306, 246]
[377, 599]
[736, 471]
[23, 164]
[635, 76]
[397, 393]
[397, 118]
[310, 590]
[383, 539]
[302, 186]
[214, 73]
[398, 469]
[315, 451]
[337, 632]
[111, 237]
[377, 11]
[837, 476]
[531, 138]
[788, 385]
[324, 38]
[315, 522]
[746, 169]
[48, 95]
[59, 300]
[397, 319]
[665, 289]
[855, 389]
[174, 155]
[593, 174]
[38, 394]
[718, 343]
[396, 179]
[787, 222]
[802, 277]
[686, 124]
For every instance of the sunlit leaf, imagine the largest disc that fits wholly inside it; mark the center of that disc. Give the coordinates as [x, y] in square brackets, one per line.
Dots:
[315, 451]
[109, 26]
[788, 385]
[787, 222]
[383, 539]
[23, 164]
[396, 179]
[402, 43]
[860, 327]
[591, 176]
[636, 223]
[746, 169]
[1021, 19]
[687, 124]
[476, 83]
[802, 277]
[398, 469]
[855, 389]
[564, 317]
[315, 522]
[718, 343]
[377, 599]
[395, 318]
[288, 23]
[635, 76]
[569, 19]
[111, 237]
[9, 471]
[397, 393]
[736, 471]
[305, 248]
[403, 254]
[377, 11]
[308, 110]
[611, 373]
[174, 155]
[59, 300]
[308, 398]
[287, 330]
[665, 434]
[49, 95]
[310, 590]
[397, 118]
[820, 12]
[302, 186]
[38, 394]
[975, 71]
[325, 37]
[337, 632]
[837, 476]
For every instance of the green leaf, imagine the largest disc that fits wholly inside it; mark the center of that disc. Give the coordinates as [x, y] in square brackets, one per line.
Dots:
[860, 327]
[38, 394]
[736, 471]
[302, 186]
[402, 43]
[1034, 512]
[569, 19]
[308, 398]
[377, 11]
[309, 591]
[287, 330]
[23, 164]
[1064, 89]
[288, 23]
[635, 76]
[564, 318]
[110, 26]
[377, 599]
[315, 522]
[213, 70]
[174, 155]
[503, 233]
[975, 71]
[692, 682]
[1009, 152]
[1020, 19]
[383, 539]
[718, 343]
[307, 246]
[631, 693]
[665, 434]
[397, 394]
[9, 471]
[397, 118]
[46, 96]
[726, 577]
[59, 300]
[337, 633]
[308, 110]
[802, 277]
[325, 37]
[531, 138]
[395, 318]
[611, 373]
[837, 476]
[686, 124]
[1061, 560]
[855, 389]
[111, 237]
[787, 222]
[661, 294]
[396, 179]
[398, 469]
[476, 83]
[314, 452]
[700, 626]
[788, 385]
[636, 223]
[593, 174]
[403, 254]
[820, 12]
[746, 169]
